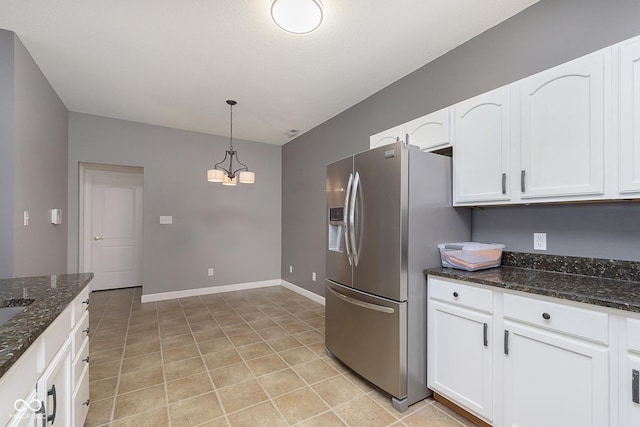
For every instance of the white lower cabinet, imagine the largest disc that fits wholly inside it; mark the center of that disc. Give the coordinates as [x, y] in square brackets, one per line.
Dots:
[629, 374]
[552, 379]
[54, 389]
[57, 367]
[26, 414]
[461, 363]
[545, 363]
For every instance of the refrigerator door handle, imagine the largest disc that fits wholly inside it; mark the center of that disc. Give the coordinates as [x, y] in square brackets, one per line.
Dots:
[345, 219]
[362, 304]
[352, 219]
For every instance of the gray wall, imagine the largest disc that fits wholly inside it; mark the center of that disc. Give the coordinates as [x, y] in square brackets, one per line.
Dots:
[6, 154]
[546, 34]
[34, 163]
[235, 230]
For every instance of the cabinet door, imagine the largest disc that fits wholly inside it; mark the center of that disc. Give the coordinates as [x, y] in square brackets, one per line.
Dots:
[429, 132]
[388, 136]
[562, 130]
[54, 388]
[482, 148]
[629, 131]
[630, 390]
[553, 380]
[460, 361]
[27, 414]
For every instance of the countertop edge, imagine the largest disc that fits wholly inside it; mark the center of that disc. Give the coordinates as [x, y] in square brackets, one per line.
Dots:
[589, 296]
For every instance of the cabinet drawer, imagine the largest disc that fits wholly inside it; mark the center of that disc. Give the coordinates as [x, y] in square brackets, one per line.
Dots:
[461, 295]
[80, 334]
[80, 304]
[80, 364]
[578, 322]
[80, 401]
[633, 335]
[55, 335]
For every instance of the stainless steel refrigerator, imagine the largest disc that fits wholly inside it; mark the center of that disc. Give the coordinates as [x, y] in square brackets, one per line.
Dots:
[387, 209]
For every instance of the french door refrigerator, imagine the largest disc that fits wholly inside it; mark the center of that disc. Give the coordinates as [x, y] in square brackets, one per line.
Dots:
[387, 210]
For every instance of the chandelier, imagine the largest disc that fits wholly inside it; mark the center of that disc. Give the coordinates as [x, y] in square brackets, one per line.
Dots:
[228, 175]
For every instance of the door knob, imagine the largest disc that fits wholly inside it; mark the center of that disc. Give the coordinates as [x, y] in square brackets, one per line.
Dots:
[97, 238]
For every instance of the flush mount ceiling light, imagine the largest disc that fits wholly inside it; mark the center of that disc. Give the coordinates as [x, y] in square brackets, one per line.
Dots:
[227, 175]
[297, 16]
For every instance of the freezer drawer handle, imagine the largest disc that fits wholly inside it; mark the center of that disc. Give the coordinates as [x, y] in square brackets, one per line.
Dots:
[506, 342]
[635, 386]
[363, 304]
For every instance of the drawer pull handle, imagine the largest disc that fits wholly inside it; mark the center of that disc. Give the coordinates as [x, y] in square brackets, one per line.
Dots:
[486, 335]
[522, 179]
[546, 316]
[455, 295]
[86, 359]
[52, 392]
[504, 183]
[85, 331]
[635, 387]
[506, 342]
[86, 402]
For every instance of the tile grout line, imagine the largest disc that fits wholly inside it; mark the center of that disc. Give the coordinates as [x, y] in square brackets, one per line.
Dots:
[215, 389]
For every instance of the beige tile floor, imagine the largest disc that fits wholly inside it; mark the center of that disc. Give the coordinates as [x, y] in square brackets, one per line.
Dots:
[245, 358]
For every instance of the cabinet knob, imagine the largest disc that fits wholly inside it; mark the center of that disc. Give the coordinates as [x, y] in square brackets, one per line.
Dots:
[86, 331]
[86, 359]
[86, 402]
[546, 316]
[455, 295]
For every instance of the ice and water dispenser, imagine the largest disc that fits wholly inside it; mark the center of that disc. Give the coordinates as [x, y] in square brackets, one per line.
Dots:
[336, 229]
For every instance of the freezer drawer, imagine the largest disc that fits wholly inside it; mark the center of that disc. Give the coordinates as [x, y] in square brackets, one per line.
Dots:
[369, 334]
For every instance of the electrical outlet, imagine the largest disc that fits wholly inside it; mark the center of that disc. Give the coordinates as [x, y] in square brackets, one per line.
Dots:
[291, 269]
[540, 241]
[210, 272]
[313, 276]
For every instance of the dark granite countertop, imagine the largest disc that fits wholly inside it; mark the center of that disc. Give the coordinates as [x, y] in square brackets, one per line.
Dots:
[50, 295]
[606, 283]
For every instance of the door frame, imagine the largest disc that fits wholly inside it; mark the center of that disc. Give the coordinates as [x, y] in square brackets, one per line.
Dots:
[83, 167]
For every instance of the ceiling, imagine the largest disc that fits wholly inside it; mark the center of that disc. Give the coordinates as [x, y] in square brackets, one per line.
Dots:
[175, 62]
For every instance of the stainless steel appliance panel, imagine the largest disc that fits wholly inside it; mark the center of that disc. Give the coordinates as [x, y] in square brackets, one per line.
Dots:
[369, 334]
[380, 192]
[338, 184]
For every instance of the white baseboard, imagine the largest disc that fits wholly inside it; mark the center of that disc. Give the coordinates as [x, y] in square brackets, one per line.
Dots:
[305, 293]
[230, 288]
[210, 290]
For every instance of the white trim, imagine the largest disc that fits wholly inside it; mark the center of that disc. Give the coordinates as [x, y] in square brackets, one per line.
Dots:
[230, 288]
[305, 293]
[210, 290]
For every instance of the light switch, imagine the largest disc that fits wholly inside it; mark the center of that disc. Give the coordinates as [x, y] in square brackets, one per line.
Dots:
[168, 219]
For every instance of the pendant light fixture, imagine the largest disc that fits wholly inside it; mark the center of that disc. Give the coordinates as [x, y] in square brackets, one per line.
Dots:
[228, 175]
[297, 16]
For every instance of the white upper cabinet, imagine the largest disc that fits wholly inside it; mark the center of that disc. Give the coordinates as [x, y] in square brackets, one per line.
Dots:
[388, 136]
[562, 130]
[430, 132]
[628, 55]
[482, 148]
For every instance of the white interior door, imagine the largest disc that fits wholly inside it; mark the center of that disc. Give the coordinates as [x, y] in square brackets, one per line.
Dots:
[113, 228]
